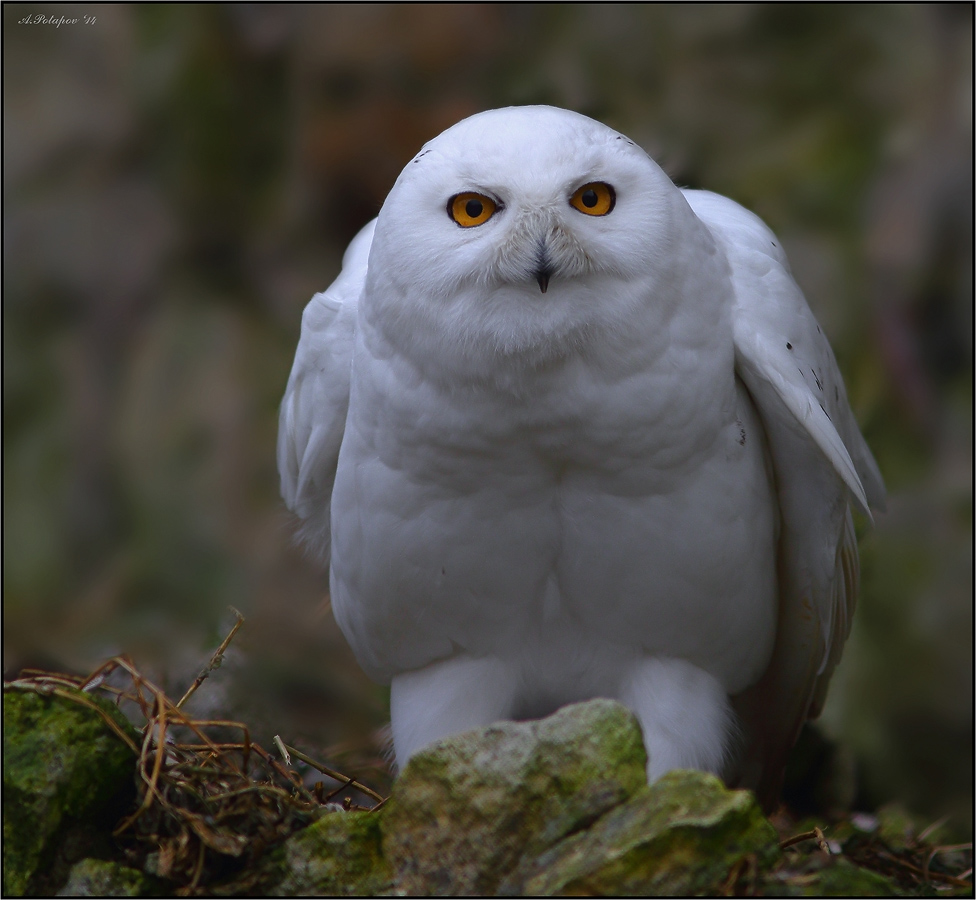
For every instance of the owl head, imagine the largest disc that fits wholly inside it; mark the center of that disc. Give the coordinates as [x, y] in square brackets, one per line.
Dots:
[522, 235]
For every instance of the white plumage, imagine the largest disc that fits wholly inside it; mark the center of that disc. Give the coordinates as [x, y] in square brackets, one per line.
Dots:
[564, 430]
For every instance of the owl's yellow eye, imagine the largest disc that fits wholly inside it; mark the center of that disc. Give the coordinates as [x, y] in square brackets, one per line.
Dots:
[594, 199]
[470, 209]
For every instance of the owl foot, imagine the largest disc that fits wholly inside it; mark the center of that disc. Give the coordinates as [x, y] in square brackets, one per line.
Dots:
[685, 714]
[446, 697]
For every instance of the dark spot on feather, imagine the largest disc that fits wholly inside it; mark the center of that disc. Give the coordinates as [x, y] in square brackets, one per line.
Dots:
[443, 571]
[789, 346]
[773, 243]
[742, 433]
[816, 378]
[836, 393]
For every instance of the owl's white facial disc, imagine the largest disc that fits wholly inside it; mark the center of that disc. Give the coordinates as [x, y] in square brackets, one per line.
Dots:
[518, 233]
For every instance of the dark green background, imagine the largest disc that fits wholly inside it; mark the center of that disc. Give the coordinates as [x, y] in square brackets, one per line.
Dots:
[178, 181]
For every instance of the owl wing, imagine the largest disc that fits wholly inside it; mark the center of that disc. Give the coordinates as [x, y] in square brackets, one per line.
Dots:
[313, 412]
[820, 462]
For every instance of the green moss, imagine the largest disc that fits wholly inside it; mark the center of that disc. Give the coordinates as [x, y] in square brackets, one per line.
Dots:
[340, 855]
[63, 766]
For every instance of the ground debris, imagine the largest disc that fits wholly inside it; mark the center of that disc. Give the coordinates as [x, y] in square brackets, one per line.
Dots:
[210, 801]
[873, 854]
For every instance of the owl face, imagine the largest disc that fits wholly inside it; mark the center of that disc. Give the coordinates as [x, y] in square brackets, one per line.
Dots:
[519, 232]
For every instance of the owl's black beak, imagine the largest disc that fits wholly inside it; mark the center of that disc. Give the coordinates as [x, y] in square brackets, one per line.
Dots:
[543, 267]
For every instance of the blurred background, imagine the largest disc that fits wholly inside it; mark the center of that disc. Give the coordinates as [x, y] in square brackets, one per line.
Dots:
[179, 180]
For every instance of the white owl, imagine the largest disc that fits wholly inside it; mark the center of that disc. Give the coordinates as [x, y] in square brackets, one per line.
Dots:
[566, 431]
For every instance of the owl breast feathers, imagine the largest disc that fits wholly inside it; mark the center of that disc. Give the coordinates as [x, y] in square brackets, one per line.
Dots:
[563, 430]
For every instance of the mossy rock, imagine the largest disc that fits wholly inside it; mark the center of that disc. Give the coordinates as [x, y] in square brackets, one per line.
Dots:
[470, 809]
[681, 836]
[65, 773]
[555, 806]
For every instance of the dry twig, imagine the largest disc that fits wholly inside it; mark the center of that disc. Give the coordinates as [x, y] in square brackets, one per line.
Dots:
[816, 835]
[215, 660]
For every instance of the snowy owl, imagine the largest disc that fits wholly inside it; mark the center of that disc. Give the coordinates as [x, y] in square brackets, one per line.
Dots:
[565, 431]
